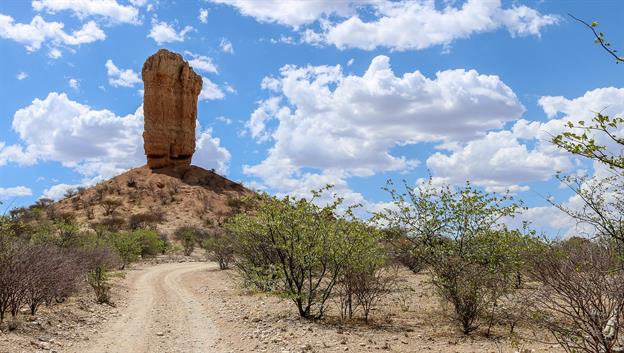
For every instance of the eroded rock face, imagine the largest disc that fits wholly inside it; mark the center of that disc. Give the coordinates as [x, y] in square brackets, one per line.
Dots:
[170, 109]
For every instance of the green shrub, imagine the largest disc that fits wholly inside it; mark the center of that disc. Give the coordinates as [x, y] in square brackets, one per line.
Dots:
[151, 242]
[189, 237]
[473, 259]
[296, 248]
[127, 245]
[219, 248]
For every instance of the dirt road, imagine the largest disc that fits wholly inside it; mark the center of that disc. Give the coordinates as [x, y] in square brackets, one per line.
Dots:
[161, 315]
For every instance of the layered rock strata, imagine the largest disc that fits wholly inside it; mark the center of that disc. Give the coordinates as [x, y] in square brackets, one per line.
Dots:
[171, 89]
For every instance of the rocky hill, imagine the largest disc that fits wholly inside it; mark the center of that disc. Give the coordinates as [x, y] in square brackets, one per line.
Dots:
[166, 198]
[167, 192]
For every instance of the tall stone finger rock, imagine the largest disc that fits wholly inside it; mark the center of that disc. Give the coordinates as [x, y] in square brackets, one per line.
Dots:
[170, 109]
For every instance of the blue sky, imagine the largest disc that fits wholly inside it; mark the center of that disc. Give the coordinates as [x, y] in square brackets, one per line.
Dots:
[298, 94]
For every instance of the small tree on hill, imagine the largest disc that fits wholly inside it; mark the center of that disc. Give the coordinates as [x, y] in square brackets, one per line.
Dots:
[110, 205]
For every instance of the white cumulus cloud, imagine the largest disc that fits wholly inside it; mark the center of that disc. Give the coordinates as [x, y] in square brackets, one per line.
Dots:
[111, 10]
[226, 46]
[210, 154]
[210, 91]
[16, 191]
[398, 25]
[73, 83]
[324, 119]
[162, 32]
[203, 15]
[201, 62]
[95, 143]
[498, 162]
[120, 77]
[32, 35]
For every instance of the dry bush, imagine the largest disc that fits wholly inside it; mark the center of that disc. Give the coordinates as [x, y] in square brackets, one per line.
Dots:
[31, 275]
[97, 262]
[370, 287]
[146, 220]
[131, 182]
[54, 275]
[111, 224]
[581, 299]
[110, 205]
[69, 193]
[219, 248]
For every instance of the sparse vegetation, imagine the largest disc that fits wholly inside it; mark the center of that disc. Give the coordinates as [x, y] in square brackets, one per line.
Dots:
[219, 248]
[298, 249]
[473, 259]
[189, 237]
[581, 300]
[110, 205]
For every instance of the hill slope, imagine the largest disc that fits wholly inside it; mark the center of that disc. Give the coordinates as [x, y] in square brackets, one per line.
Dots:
[176, 196]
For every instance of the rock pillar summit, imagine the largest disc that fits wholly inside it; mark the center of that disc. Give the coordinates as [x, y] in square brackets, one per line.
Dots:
[170, 109]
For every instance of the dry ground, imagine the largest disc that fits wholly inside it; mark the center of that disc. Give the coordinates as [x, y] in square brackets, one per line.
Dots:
[194, 307]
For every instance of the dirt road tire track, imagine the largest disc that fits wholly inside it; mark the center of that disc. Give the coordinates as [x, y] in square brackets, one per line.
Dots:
[162, 315]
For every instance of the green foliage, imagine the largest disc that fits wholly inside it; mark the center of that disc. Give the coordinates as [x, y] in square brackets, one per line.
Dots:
[362, 281]
[151, 242]
[189, 237]
[602, 197]
[98, 278]
[297, 248]
[581, 139]
[219, 248]
[458, 233]
[127, 245]
[601, 39]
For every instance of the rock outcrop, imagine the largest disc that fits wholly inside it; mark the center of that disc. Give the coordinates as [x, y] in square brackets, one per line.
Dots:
[170, 109]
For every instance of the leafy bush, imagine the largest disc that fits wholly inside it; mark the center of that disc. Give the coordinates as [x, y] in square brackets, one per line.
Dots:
[361, 280]
[473, 259]
[127, 245]
[219, 248]
[295, 247]
[151, 242]
[189, 237]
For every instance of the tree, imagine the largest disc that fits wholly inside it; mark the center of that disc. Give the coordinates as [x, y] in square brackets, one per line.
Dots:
[459, 234]
[601, 140]
[601, 39]
[189, 236]
[127, 245]
[294, 246]
[219, 248]
[581, 139]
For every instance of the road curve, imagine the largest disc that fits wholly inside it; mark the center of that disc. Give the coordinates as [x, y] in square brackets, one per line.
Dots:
[162, 315]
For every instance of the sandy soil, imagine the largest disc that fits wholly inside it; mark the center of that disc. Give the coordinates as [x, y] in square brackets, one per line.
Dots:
[194, 307]
[161, 315]
[411, 320]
